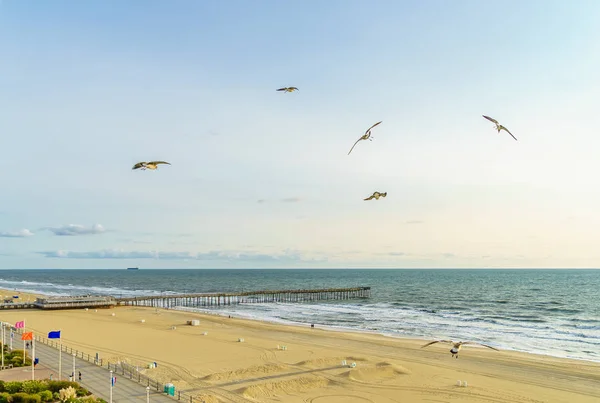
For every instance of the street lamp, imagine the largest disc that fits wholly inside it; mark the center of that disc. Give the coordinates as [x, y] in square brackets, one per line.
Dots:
[147, 394]
[73, 367]
[111, 386]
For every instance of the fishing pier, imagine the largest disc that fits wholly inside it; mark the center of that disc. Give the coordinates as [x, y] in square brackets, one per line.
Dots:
[260, 297]
[194, 300]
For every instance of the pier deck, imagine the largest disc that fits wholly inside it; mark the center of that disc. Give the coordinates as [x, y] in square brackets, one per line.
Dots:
[195, 300]
[219, 299]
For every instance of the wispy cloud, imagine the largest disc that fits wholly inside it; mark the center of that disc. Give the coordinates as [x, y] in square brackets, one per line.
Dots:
[76, 229]
[232, 256]
[22, 233]
[286, 200]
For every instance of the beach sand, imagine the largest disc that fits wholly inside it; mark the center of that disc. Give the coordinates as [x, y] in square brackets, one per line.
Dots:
[221, 369]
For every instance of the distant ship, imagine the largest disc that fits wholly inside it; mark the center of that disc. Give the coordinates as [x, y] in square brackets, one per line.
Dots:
[133, 268]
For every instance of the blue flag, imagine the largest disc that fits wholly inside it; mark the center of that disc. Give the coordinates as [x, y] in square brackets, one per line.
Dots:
[54, 335]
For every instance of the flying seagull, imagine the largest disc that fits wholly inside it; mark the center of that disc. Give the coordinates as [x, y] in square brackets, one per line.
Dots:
[376, 195]
[366, 136]
[457, 346]
[499, 126]
[149, 165]
[288, 89]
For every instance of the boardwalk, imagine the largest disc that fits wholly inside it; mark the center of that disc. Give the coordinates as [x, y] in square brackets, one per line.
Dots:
[97, 379]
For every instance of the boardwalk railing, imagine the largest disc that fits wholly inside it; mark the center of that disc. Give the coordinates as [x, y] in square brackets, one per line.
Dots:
[220, 299]
[118, 368]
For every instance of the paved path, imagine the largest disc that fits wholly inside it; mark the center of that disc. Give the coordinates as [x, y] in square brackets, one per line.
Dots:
[97, 379]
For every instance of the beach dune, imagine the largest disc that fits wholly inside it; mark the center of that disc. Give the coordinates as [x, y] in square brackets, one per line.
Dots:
[220, 369]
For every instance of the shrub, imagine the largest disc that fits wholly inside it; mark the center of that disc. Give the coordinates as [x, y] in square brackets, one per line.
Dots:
[81, 392]
[5, 398]
[16, 361]
[19, 397]
[67, 394]
[1, 386]
[32, 399]
[13, 387]
[46, 396]
[56, 386]
[33, 387]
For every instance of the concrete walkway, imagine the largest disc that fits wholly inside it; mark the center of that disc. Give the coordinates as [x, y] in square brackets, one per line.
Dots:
[96, 379]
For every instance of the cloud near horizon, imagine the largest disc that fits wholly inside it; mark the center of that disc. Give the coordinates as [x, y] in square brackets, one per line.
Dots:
[286, 257]
[76, 229]
[285, 200]
[22, 233]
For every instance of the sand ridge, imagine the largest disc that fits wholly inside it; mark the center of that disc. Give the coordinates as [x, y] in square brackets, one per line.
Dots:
[287, 387]
[382, 371]
[254, 371]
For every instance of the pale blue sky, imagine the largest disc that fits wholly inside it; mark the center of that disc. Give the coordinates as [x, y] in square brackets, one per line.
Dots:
[87, 89]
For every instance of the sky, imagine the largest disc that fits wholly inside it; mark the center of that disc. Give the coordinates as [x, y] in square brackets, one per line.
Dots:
[262, 179]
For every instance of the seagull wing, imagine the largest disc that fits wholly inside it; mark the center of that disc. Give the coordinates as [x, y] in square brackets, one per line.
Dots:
[480, 344]
[159, 162]
[372, 127]
[490, 119]
[282, 89]
[370, 197]
[505, 129]
[138, 165]
[294, 88]
[437, 341]
[354, 145]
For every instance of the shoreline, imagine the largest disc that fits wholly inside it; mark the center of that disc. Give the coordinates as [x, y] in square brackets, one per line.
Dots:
[255, 370]
[331, 328]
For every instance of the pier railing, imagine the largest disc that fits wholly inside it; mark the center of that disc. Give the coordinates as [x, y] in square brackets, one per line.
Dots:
[266, 296]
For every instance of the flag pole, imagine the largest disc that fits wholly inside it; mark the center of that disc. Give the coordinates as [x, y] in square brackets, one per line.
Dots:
[60, 357]
[3, 341]
[32, 357]
[23, 343]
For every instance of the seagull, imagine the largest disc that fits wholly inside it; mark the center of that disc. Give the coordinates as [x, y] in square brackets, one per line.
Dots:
[288, 89]
[366, 136]
[499, 126]
[376, 195]
[457, 346]
[149, 165]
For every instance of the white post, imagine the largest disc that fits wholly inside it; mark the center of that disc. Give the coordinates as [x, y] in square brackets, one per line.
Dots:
[60, 358]
[2, 345]
[111, 386]
[12, 335]
[73, 367]
[147, 394]
[32, 358]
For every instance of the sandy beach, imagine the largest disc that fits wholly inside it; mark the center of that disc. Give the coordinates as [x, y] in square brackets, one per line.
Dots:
[221, 369]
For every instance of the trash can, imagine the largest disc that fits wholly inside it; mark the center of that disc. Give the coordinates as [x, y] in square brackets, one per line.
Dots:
[169, 389]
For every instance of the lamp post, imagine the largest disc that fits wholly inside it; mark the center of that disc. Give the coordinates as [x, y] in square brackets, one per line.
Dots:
[111, 386]
[73, 367]
[147, 394]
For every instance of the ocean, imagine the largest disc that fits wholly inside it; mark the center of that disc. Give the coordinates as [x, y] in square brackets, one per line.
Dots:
[552, 312]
